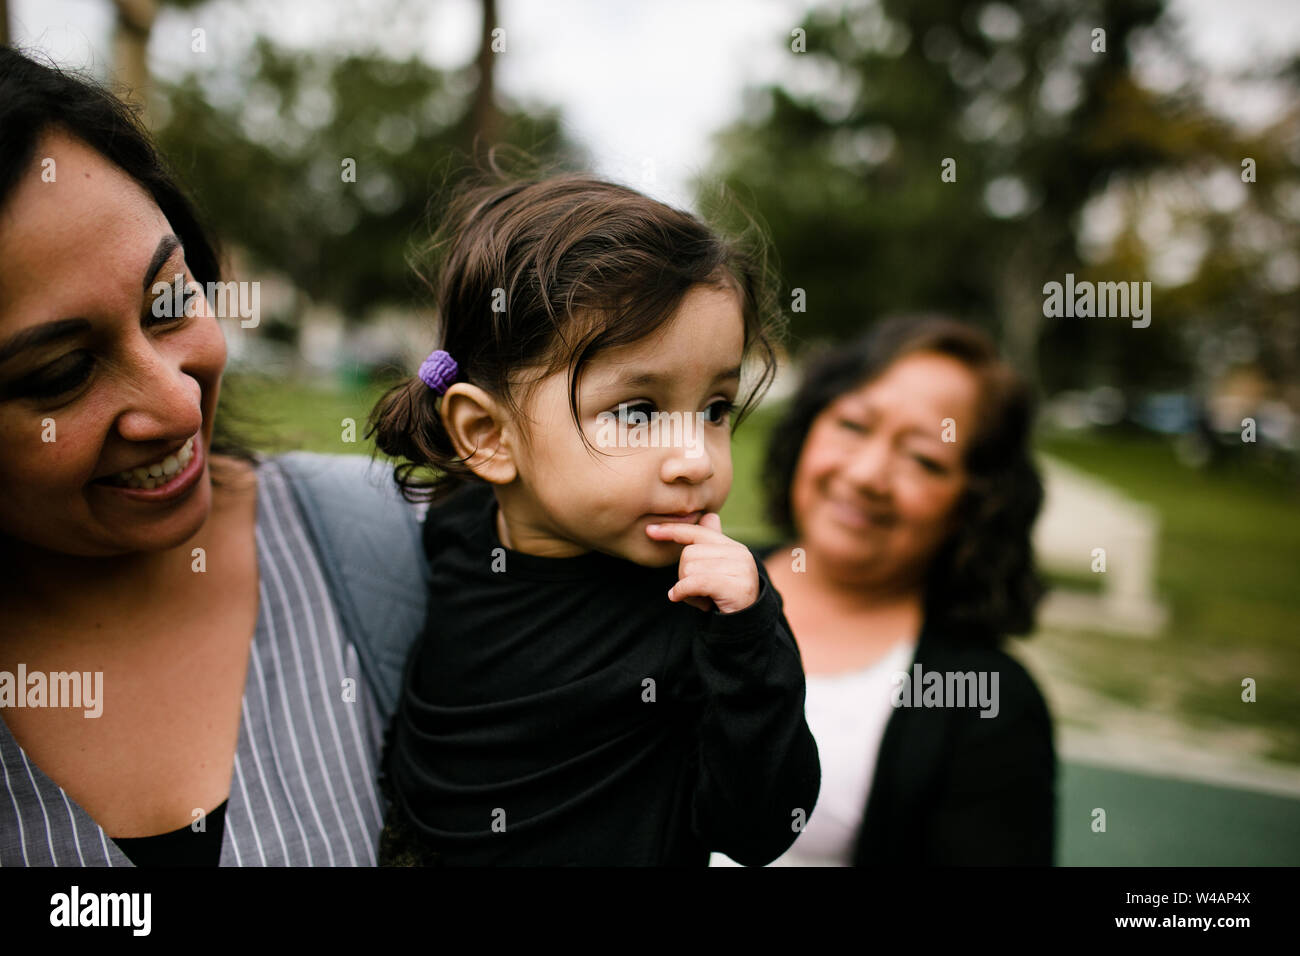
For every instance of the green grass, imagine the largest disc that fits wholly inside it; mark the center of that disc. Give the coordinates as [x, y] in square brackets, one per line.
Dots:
[1229, 569]
[742, 516]
[1230, 545]
[300, 416]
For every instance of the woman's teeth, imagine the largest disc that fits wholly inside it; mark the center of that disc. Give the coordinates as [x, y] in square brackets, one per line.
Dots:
[159, 473]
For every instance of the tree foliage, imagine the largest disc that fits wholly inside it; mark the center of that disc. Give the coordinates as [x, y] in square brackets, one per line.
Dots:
[327, 167]
[1042, 114]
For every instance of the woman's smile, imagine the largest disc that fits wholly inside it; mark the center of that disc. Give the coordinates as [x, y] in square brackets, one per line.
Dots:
[860, 518]
[164, 480]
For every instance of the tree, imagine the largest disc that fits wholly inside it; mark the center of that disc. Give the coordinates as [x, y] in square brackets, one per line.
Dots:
[487, 115]
[326, 165]
[132, 26]
[938, 155]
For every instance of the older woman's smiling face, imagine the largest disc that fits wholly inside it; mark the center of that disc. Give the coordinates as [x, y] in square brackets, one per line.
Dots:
[880, 478]
[85, 360]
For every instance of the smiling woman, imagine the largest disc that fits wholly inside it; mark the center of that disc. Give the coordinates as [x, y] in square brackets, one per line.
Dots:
[902, 479]
[79, 253]
[204, 606]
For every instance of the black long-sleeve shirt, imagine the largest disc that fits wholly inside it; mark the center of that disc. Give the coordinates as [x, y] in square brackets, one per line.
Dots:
[561, 711]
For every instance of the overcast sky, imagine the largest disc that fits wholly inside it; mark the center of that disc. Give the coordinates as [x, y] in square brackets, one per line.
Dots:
[641, 84]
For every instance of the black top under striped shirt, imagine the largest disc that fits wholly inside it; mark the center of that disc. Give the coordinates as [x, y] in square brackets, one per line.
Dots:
[182, 847]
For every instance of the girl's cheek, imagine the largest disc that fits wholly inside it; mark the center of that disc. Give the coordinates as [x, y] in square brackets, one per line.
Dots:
[722, 469]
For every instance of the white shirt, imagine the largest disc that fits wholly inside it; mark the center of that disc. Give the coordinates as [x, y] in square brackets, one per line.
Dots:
[846, 713]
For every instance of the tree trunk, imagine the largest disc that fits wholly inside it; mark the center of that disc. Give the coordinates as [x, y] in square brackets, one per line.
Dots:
[486, 116]
[131, 49]
[1022, 311]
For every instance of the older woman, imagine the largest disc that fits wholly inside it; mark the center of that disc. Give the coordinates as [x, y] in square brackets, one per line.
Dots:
[235, 625]
[902, 479]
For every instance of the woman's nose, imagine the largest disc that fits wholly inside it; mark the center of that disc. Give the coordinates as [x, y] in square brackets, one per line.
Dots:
[870, 466]
[165, 403]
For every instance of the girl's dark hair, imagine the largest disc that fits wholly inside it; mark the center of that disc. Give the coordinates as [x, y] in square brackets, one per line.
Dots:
[982, 584]
[547, 272]
[36, 98]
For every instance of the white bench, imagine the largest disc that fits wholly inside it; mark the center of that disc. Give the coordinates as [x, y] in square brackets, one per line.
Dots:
[1081, 513]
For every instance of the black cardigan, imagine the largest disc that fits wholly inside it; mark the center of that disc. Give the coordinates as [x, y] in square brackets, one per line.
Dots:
[956, 789]
[953, 788]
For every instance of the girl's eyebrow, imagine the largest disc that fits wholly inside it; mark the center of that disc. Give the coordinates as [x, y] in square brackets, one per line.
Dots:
[650, 379]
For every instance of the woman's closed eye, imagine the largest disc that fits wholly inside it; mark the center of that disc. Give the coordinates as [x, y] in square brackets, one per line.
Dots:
[173, 303]
[58, 378]
[931, 465]
[61, 379]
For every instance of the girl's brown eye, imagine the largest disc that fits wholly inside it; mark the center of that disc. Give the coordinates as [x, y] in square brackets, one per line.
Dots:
[640, 408]
[724, 408]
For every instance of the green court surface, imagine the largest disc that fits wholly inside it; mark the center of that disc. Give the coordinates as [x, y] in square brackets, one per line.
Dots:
[1157, 821]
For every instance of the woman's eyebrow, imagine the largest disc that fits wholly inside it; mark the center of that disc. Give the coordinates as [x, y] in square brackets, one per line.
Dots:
[66, 328]
[40, 334]
[166, 246]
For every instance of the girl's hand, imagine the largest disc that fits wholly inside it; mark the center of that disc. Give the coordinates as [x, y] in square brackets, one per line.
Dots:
[715, 572]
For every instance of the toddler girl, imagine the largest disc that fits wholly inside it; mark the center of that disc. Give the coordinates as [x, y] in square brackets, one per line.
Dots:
[604, 678]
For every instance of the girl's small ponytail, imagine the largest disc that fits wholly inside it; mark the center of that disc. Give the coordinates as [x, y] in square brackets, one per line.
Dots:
[406, 424]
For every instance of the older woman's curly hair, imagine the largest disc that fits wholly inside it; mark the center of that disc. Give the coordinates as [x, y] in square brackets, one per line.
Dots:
[982, 584]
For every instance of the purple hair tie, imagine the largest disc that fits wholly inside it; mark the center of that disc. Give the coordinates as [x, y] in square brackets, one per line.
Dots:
[439, 370]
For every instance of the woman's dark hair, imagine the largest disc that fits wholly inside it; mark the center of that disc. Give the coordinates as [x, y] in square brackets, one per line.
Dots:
[36, 98]
[982, 584]
[547, 272]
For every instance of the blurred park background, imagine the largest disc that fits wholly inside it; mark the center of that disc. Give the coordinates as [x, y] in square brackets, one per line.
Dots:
[1116, 140]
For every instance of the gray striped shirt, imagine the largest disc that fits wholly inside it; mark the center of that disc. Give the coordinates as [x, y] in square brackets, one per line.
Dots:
[303, 791]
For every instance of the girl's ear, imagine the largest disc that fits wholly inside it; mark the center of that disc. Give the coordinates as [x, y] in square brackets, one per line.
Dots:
[476, 423]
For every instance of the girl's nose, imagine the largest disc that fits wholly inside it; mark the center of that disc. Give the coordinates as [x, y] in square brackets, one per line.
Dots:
[689, 462]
